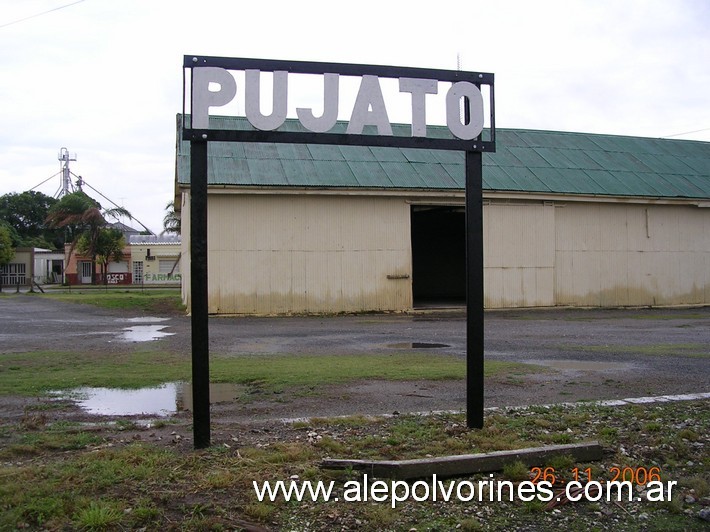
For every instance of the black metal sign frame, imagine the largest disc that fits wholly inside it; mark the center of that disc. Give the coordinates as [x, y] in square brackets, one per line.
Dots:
[199, 139]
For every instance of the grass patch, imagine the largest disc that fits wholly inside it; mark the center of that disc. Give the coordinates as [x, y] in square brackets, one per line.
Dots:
[517, 471]
[33, 444]
[141, 485]
[682, 350]
[39, 372]
[99, 515]
[83, 490]
[159, 301]
[315, 370]
[42, 371]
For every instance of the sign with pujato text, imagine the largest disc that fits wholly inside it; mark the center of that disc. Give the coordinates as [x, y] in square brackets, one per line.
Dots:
[467, 104]
[463, 99]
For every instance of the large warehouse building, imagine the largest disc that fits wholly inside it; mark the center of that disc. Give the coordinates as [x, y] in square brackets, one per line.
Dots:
[569, 219]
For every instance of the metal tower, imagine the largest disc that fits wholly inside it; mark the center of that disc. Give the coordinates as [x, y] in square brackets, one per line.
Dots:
[64, 158]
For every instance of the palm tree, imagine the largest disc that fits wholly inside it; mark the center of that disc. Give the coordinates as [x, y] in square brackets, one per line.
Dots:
[171, 221]
[83, 219]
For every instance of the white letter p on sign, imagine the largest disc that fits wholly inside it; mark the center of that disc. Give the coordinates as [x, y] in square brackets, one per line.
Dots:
[203, 98]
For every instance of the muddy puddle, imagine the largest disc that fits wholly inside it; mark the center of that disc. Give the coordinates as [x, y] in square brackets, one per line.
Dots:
[417, 345]
[164, 400]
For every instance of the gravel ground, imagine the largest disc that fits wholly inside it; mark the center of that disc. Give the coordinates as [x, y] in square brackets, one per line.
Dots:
[583, 354]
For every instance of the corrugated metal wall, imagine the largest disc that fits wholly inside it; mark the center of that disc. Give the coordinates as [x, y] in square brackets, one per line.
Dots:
[273, 254]
[310, 253]
[518, 255]
[623, 254]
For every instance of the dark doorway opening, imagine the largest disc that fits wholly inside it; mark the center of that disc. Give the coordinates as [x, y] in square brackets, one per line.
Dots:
[438, 255]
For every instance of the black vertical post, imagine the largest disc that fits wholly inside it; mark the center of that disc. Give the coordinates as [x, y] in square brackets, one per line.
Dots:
[198, 294]
[474, 289]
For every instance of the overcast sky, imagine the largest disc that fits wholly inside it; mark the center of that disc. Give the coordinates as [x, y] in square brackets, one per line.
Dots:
[103, 78]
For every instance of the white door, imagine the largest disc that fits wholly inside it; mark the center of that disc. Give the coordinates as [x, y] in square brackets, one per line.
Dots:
[138, 272]
[85, 272]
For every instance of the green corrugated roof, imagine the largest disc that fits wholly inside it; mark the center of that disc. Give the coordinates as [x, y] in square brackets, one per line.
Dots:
[525, 161]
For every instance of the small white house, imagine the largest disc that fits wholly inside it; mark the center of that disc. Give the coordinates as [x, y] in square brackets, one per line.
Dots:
[48, 266]
[42, 266]
[155, 260]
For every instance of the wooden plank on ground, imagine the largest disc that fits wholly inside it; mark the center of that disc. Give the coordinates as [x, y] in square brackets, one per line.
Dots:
[467, 464]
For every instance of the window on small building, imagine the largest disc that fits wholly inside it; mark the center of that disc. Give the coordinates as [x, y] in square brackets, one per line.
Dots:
[13, 274]
[171, 266]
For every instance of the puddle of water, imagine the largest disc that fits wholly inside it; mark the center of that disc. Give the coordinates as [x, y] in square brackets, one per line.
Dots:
[147, 319]
[163, 400]
[143, 333]
[416, 345]
[157, 401]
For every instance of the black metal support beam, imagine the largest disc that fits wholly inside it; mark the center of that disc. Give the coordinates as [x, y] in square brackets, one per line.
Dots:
[341, 139]
[198, 294]
[474, 290]
[344, 69]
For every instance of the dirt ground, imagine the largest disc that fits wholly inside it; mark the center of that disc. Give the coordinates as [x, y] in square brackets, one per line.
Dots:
[577, 354]
[569, 355]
